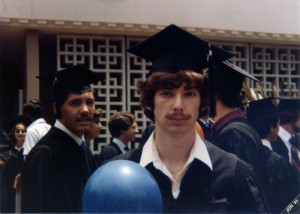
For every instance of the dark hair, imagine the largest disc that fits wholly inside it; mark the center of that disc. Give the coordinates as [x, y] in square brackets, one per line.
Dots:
[158, 80]
[120, 121]
[34, 108]
[61, 95]
[227, 86]
[264, 123]
[289, 116]
[12, 131]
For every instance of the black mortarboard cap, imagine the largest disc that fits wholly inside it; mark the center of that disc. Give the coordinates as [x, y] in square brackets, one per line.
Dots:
[262, 108]
[74, 79]
[173, 49]
[225, 77]
[227, 69]
[240, 70]
[287, 104]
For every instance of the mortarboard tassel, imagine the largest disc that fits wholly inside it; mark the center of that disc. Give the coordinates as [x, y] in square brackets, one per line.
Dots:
[210, 82]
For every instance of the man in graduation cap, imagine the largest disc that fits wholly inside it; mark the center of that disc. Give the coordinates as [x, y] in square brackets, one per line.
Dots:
[264, 117]
[288, 141]
[231, 131]
[58, 167]
[279, 179]
[193, 175]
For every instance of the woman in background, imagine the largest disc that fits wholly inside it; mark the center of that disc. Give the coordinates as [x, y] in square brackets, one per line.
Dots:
[95, 128]
[12, 161]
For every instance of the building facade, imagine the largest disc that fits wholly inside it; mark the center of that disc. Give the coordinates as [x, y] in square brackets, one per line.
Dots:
[40, 37]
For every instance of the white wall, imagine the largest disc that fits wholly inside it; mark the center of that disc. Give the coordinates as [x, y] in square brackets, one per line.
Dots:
[268, 16]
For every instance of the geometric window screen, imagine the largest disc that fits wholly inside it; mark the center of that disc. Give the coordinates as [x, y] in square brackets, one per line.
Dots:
[273, 65]
[105, 56]
[279, 67]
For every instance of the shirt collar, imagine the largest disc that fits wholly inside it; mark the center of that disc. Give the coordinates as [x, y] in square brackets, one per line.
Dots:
[120, 144]
[205, 122]
[199, 151]
[19, 149]
[284, 134]
[267, 143]
[60, 126]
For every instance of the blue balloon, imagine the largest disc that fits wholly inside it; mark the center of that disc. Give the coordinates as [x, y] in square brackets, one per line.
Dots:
[122, 186]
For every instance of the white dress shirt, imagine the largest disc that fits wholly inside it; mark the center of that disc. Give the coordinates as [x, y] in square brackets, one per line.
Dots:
[34, 132]
[150, 155]
[286, 136]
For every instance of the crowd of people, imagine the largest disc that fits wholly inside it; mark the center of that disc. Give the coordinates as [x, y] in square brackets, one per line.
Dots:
[207, 150]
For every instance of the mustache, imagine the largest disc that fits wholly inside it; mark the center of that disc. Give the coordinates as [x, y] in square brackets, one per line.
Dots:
[84, 118]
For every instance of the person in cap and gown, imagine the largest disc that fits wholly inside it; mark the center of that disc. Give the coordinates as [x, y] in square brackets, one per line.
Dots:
[288, 141]
[281, 185]
[193, 175]
[57, 168]
[231, 130]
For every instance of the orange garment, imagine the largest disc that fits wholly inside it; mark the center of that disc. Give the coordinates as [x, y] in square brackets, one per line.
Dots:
[199, 130]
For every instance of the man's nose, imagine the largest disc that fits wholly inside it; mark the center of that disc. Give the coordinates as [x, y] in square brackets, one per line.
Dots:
[178, 103]
[85, 108]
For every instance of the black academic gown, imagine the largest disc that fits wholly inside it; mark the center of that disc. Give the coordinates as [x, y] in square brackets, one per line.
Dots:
[4, 141]
[108, 152]
[13, 164]
[278, 181]
[230, 188]
[237, 136]
[54, 175]
[279, 147]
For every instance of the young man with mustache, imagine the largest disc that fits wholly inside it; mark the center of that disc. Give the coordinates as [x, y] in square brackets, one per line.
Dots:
[58, 167]
[193, 175]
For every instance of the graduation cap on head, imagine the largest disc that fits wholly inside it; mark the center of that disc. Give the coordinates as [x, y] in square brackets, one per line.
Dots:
[227, 76]
[289, 104]
[258, 109]
[74, 79]
[174, 49]
[242, 72]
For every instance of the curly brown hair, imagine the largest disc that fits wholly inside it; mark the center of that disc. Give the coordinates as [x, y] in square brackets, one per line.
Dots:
[160, 80]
